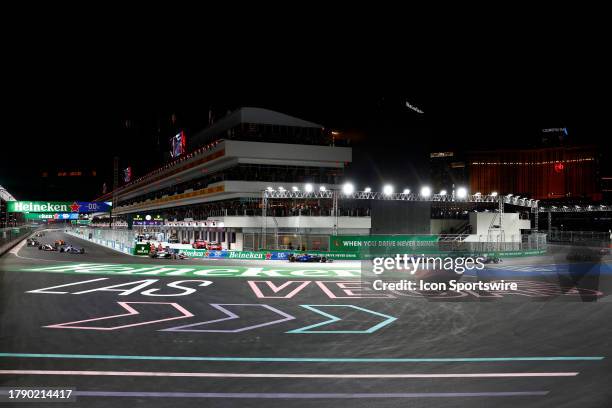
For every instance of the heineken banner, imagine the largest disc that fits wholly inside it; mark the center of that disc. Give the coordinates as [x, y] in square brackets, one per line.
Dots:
[58, 206]
[203, 253]
[384, 244]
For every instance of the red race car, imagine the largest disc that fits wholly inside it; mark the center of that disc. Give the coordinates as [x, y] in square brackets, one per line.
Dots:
[214, 246]
[199, 244]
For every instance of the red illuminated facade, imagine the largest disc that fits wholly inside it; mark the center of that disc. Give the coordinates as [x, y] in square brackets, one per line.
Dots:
[560, 172]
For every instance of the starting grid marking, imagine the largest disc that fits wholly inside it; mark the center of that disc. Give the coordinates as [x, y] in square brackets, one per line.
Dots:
[305, 359]
[281, 375]
[303, 395]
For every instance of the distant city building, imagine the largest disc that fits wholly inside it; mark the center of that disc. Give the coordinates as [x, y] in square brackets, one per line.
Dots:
[8, 219]
[548, 173]
[606, 188]
[447, 171]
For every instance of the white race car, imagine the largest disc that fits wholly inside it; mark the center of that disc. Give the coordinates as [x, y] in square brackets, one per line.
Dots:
[72, 250]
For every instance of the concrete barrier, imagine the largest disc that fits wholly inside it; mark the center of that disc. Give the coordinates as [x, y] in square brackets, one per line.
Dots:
[9, 237]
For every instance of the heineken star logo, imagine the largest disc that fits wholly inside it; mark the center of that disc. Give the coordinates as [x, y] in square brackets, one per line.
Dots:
[268, 255]
[75, 207]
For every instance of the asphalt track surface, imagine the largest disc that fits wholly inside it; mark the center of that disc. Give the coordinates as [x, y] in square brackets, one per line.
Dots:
[305, 341]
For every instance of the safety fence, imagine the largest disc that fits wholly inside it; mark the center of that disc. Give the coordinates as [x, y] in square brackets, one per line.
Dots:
[603, 238]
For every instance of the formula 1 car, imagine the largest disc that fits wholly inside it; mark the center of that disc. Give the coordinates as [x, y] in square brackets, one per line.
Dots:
[72, 250]
[40, 234]
[214, 246]
[307, 258]
[47, 247]
[166, 255]
[199, 244]
[487, 259]
[33, 242]
[60, 242]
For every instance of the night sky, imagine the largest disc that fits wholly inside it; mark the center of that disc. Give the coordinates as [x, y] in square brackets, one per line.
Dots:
[391, 142]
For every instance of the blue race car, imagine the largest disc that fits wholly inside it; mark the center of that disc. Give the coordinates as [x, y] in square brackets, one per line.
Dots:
[308, 258]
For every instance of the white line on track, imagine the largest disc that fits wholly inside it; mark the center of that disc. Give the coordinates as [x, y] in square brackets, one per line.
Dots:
[281, 375]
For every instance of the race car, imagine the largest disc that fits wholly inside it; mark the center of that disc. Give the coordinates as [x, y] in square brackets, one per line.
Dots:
[72, 250]
[33, 242]
[40, 234]
[307, 258]
[166, 255]
[214, 246]
[60, 242]
[487, 259]
[199, 244]
[47, 247]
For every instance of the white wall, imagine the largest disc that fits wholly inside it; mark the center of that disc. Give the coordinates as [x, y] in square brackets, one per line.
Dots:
[239, 242]
[437, 226]
[323, 156]
[511, 226]
[293, 222]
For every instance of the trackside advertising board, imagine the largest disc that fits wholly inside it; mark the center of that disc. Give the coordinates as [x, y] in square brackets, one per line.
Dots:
[142, 249]
[57, 206]
[258, 255]
[383, 244]
[51, 216]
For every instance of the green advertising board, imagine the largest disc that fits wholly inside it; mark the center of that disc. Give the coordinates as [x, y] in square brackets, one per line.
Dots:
[383, 244]
[142, 249]
[38, 216]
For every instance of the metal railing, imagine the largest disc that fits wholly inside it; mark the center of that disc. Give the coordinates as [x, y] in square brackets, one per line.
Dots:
[579, 236]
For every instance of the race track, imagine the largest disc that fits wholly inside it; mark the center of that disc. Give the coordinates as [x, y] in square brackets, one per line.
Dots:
[267, 333]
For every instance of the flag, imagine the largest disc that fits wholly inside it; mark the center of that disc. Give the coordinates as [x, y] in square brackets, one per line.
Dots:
[127, 174]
